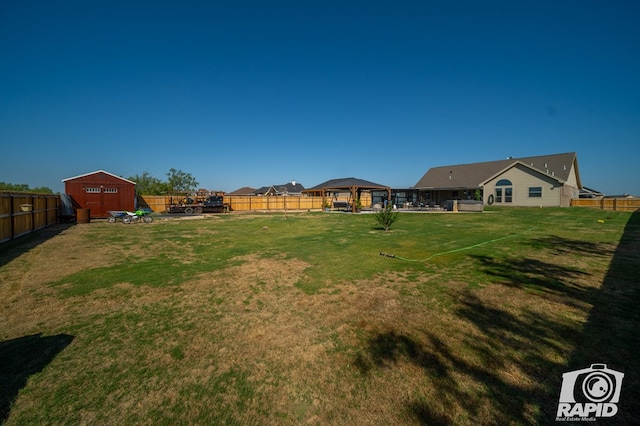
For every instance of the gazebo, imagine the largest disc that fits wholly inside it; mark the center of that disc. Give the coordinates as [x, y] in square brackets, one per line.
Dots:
[355, 187]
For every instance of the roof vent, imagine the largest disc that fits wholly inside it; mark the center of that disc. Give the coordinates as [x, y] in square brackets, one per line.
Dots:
[545, 165]
[564, 167]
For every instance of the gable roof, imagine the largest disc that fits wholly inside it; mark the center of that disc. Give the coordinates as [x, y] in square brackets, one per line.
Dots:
[287, 188]
[474, 175]
[95, 173]
[549, 174]
[346, 183]
[245, 190]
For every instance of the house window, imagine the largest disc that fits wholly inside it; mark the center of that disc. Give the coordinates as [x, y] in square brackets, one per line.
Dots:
[111, 190]
[92, 190]
[535, 191]
[508, 191]
[508, 195]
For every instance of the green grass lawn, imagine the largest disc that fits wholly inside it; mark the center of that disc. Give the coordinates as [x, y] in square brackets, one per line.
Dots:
[299, 319]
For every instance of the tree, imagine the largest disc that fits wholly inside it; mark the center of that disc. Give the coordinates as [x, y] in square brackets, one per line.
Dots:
[23, 187]
[17, 187]
[386, 217]
[41, 190]
[149, 185]
[179, 181]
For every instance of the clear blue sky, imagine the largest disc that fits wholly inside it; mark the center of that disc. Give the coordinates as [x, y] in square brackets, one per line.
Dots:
[252, 93]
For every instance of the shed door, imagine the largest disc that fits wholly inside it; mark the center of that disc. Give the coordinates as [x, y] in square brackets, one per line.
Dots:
[100, 200]
[111, 199]
[93, 197]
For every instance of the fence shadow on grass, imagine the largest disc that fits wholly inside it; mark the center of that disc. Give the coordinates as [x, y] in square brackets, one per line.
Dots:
[15, 248]
[611, 335]
[559, 245]
[466, 380]
[553, 281]
[21, 358]
[516, 361]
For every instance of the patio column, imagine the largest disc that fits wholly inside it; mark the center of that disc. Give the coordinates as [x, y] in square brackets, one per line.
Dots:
[354, 195]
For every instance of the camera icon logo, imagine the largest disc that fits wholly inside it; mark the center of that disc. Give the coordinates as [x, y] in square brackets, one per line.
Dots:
[590, 392]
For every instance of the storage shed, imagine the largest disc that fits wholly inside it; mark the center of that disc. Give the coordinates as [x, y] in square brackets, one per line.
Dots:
[100, 192]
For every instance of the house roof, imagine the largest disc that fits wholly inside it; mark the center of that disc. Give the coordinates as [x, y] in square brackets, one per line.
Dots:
[591, 190]
[95, 173]
[625, 195]
[287, 188]
[474, 175]
[346, 183]
[245, 190]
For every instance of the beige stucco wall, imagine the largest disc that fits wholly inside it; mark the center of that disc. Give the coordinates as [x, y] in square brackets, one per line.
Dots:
[570, 189]
[522, 178]
[572, 179]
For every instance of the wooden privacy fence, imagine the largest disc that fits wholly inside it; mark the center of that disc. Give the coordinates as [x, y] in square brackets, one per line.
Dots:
[617, 204]
[22, 213]
[157, 203]
[244, 202]
[289, 202]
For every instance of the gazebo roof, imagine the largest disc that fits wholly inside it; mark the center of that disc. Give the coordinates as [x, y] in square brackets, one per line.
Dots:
[347, 183]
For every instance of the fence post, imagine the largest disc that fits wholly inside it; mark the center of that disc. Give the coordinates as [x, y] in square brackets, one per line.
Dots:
[12, 212]
[33, 212]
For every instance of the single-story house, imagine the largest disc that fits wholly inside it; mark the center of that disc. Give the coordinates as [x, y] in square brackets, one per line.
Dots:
[590, 193]
[289, 188]
[100, 192]
[545, 180]
[627, 196]
[245, 190]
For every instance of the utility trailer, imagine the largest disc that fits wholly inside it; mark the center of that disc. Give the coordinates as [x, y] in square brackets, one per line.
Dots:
[197, 203]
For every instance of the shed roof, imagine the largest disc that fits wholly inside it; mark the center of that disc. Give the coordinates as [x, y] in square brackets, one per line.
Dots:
[474, 175]
[95, 173]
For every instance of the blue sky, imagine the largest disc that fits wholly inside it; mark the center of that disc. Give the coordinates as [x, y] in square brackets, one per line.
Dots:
[252, 93]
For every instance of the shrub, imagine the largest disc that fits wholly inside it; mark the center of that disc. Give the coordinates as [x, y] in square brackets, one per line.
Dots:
[386, 217]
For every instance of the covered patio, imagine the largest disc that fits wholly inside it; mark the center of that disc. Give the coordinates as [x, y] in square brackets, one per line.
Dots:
[353, 186]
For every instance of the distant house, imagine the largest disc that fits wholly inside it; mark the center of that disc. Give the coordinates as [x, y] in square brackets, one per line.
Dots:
[290, 188]
[590, 193]
[101, 192]
[546, 180]
[245, 190]
[627, 196]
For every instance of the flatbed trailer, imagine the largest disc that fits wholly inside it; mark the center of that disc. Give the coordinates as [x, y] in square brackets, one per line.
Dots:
[198, 204]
